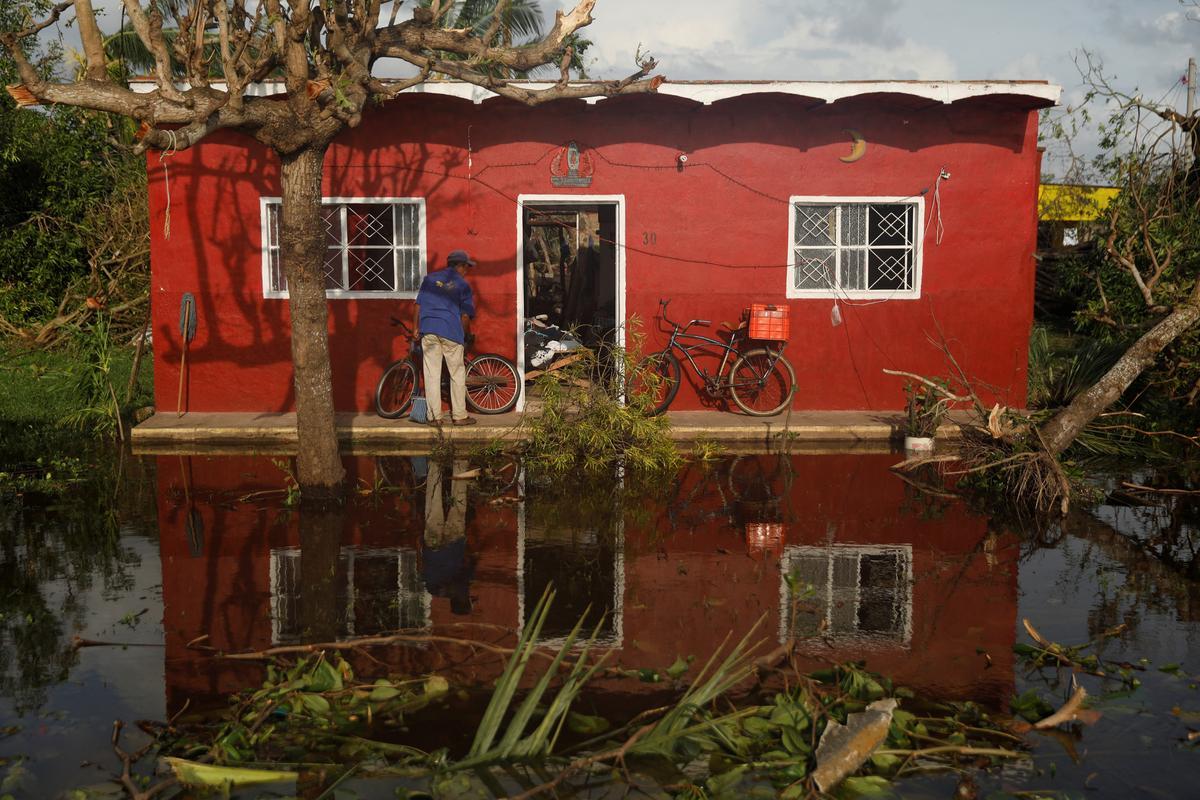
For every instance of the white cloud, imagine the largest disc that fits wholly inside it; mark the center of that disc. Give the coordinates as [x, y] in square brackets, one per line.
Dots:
[771, 40]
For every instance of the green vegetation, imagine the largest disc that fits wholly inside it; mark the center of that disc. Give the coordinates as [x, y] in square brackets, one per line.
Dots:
[47, 395]
[73, 220]
[592, 419]
[315, 717]
[74, 263]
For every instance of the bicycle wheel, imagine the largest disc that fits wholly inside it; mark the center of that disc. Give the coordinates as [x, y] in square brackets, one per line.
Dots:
[394, 393]
[762, 382]
[492, 384]
[654, 383]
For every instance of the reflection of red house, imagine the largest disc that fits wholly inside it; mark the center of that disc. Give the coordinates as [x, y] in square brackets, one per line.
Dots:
[761, 209]
[915, 590]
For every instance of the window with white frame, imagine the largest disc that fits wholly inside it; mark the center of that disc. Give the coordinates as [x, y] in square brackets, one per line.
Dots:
[855, 247]
[374, 247]
[847, 592]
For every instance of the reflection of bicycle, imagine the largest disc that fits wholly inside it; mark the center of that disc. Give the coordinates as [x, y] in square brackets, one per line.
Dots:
[492, 384]
[738, 490]
[760, 380]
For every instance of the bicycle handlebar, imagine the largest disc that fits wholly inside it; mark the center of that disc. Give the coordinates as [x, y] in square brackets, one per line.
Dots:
[664, 302]
[399, 323]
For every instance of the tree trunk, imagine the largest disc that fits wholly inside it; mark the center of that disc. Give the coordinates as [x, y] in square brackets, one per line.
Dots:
[1062, 429]
[302, 251]
[321, 527]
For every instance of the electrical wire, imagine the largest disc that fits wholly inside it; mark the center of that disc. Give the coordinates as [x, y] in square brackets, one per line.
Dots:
[839, 295]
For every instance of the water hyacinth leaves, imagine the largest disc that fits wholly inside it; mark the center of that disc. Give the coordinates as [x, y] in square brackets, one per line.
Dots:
[304, 708]
[210, 776]
[515, 744]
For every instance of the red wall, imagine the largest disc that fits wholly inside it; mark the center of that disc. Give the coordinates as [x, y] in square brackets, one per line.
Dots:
[719, 232]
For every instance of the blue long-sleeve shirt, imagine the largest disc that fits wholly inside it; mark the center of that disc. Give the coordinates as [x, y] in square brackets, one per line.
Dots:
[444, 297]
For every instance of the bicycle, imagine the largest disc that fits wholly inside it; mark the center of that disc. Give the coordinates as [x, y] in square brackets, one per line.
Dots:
[760, 380]
[492, 383]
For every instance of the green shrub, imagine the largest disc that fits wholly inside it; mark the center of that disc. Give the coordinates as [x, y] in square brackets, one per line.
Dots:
[595, 415]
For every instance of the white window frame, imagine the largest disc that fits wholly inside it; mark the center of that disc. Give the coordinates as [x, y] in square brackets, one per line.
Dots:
[422, 248]
[825, 591]
[918, 248]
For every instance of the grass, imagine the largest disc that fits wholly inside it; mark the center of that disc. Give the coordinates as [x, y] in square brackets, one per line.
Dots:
[39, 391]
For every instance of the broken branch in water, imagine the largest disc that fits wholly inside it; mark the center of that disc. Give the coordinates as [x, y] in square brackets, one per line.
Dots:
[1137, 487]
[616, 755]
[1068, 713]
[1076, 657]
[1048, 647]
[948, 750]
[353, 644]
[127, 762]
[78, 642]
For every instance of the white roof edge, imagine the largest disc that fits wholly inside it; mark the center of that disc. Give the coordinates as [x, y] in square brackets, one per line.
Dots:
[708, 92]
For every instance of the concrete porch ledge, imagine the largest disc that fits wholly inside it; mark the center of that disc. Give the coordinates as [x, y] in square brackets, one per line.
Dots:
[236, 432]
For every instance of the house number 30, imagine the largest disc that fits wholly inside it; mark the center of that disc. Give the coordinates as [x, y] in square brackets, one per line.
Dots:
[649, 237]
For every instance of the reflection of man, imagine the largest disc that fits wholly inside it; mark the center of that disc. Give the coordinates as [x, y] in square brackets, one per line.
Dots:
[444, 306]
[445, 562]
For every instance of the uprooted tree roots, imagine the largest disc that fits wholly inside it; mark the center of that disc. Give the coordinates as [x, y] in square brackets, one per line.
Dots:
[1001, 450]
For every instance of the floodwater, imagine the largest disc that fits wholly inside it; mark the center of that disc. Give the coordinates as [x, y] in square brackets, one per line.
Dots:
[157, 564]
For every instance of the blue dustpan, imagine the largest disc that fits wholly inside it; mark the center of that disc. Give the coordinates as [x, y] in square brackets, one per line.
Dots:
[419, 411]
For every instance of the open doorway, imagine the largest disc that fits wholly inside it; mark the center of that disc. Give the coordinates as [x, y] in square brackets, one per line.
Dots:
[570, 272]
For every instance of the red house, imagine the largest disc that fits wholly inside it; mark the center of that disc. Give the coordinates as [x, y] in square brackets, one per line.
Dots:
[881, 213]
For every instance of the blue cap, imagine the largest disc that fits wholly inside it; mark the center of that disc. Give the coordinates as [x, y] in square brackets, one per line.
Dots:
[459, 257]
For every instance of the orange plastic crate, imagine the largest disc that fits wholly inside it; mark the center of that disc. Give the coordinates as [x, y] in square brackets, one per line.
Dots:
[769, 323]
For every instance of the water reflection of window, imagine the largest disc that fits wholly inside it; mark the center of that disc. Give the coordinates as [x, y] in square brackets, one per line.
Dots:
[586, 569]
[377, 590]
[847, 592]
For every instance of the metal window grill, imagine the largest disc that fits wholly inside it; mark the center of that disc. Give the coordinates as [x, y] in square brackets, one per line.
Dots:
[849, 246]
[369, 247]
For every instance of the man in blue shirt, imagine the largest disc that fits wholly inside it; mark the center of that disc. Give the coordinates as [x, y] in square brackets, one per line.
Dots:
[445, 305]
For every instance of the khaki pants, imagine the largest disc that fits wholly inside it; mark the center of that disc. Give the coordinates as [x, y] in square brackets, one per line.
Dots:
[433, 349]
[443, 525]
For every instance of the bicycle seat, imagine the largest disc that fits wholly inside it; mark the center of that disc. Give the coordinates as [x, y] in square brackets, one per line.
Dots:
[730, 327]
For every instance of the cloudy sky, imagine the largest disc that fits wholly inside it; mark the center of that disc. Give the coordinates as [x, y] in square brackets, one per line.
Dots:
[1144, 43]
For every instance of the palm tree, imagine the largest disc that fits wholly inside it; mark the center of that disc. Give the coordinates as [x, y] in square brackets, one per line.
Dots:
[522, 21]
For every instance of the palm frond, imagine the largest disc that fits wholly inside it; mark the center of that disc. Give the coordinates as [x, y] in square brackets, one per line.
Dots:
[524, 19]
[679, 722]
[514, 743]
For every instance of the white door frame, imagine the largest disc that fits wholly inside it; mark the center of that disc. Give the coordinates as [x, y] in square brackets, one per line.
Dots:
[617, 200]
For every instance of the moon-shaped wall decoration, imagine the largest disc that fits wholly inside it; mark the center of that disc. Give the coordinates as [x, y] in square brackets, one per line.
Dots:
[858, 150]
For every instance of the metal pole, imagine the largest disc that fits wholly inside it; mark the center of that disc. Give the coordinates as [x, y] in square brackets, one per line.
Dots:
[1191, 89]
